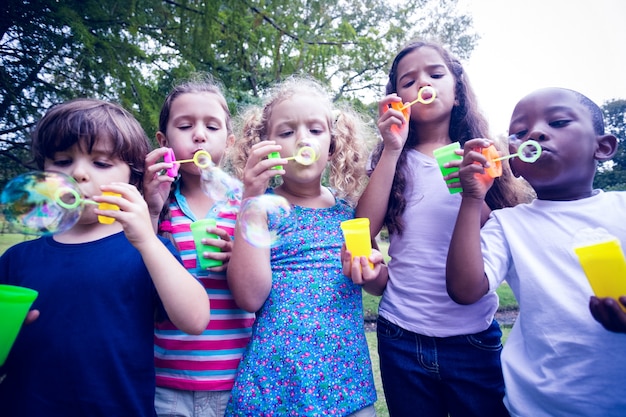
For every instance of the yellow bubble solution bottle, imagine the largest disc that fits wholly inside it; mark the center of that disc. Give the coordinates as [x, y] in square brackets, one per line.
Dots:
[601, 257]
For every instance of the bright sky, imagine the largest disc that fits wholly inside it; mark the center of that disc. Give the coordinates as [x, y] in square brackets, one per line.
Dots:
[530, 44]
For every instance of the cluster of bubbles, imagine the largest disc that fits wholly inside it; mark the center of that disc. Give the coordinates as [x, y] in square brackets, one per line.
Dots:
[253, 214]
[46, 203]
[34, 203]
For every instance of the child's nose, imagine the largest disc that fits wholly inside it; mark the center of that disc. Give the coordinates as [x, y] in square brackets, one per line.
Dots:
[538, 134]
[302, 134]
[200, 134]
[80, 173]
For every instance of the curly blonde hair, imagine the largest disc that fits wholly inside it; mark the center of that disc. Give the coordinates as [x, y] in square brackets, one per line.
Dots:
[345, 172]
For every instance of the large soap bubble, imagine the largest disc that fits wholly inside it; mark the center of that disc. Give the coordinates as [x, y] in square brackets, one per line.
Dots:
[254, 224]
[34, 203]
[222, 188]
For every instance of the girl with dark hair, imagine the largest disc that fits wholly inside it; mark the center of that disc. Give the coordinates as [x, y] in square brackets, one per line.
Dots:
[445, 357]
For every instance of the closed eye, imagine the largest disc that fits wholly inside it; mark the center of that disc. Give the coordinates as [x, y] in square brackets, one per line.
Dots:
[102, 164]
[408, 84]
[62, 162]
[560, 123]
[520, 134]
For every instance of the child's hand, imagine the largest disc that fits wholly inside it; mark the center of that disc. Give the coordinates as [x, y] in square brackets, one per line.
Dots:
[474, 181]
[258, 170]
[608, 313]
[156, 188]
[31, 316]
[133, 214]
[393, 126]
[359, 269]
[224, 243]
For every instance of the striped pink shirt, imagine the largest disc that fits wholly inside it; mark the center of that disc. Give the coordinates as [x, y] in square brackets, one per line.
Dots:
[206, 362]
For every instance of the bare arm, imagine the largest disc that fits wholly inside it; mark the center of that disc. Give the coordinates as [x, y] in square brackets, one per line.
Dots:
[183, 297]
[249, 273]
[375, 199]
[156, 188]
[465, 271]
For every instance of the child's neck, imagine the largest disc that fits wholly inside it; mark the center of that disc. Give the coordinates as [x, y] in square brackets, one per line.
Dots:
[432, 136]
[83, 233]
[199, 202]
[314, 196]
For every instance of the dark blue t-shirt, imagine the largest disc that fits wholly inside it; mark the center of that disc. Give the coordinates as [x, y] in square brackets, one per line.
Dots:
[90, 353]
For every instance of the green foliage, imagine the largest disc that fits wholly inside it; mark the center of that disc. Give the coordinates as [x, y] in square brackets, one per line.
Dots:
[611, 176]
[134, 51]
[507, 299]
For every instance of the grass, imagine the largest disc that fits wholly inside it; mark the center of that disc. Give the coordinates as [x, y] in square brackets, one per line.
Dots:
[9, 239]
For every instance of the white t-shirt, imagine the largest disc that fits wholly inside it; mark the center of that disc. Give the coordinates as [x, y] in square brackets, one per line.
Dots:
[415, 297]
[557, 361]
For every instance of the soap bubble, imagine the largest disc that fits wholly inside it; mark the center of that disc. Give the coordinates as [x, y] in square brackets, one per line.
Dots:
[254, 224]
[222, 188]
[41, 203]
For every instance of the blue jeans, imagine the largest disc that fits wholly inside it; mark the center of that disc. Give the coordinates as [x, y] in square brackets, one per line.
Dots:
[436, 376]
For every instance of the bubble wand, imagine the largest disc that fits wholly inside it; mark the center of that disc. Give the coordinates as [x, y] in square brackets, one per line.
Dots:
[201, 158]
[529, 152]
[77, 200]
[306, 155]
[403, 107]
[420, 97]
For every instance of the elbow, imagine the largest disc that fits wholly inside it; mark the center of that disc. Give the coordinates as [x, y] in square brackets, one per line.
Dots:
[198, 323]
[251, 305]
[460, 298]
[463, 296]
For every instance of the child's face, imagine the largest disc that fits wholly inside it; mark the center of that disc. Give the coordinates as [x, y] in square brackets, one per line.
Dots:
[90, 170]
[197, 122]
[562, 125]
[425, 67]
[301, 119]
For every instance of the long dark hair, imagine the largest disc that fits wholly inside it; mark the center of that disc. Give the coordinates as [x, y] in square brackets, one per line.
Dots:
[466, 122]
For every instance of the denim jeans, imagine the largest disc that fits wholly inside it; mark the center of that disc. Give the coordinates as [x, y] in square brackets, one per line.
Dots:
[427, 376]
[176, 403]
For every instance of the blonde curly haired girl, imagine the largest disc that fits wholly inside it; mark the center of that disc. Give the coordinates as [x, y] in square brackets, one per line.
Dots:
[349, 138]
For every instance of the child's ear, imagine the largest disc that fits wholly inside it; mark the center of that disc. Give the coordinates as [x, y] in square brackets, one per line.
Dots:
[161, 139]
[607, 147]
[230, 141]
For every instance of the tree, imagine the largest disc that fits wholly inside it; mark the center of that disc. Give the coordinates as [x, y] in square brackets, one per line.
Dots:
[253, 44]
[612, 176]
[53, 51]
[132, 51]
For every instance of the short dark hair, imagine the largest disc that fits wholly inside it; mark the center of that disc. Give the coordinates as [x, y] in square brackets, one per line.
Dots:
[597, 115]
[84, 122]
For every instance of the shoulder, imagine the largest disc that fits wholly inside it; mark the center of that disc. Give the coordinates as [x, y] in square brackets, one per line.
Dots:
[612, 195]
[24, 246]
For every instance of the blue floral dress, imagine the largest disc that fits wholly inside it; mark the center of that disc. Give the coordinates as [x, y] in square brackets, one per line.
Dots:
[308, 355]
